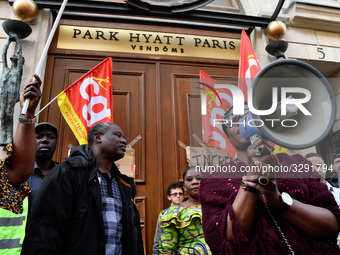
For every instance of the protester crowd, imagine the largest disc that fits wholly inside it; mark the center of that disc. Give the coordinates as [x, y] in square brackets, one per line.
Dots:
[84, 205]
[81, 206]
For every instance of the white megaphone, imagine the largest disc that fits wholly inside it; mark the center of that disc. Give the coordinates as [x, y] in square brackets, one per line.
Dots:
[291, 104]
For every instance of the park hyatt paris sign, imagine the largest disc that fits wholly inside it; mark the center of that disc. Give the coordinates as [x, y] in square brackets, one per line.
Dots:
[146, 42]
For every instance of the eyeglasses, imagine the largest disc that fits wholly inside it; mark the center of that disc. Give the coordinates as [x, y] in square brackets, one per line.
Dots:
[177, 194]
[231, 119]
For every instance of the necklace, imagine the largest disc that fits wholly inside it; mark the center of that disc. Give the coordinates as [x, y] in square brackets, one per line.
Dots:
[192, 203]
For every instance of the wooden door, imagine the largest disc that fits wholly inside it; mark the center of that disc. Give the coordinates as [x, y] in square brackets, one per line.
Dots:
[177, 116]
[134, 111]
[150, 99]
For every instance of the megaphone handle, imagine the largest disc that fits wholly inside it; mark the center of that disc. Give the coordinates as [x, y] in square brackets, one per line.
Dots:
[263, 180]
[254, 138]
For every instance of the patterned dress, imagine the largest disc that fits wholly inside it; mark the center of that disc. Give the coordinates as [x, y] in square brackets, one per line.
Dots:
[182, 231]
[10, 197]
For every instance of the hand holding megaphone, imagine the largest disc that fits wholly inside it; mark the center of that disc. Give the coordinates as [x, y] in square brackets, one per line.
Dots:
[270, 192]
[260, 154]
[261, 169]
[260, 150]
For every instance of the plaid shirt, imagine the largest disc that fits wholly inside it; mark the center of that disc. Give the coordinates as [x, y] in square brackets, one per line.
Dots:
[112, 211]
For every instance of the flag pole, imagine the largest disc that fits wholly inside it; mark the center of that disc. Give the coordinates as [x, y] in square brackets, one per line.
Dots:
[45, 106]
[44, 53]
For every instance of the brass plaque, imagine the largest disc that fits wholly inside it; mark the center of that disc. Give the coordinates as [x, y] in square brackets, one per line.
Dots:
[146, 42]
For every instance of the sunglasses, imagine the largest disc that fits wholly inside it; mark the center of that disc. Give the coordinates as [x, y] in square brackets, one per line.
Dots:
[177, 194]
[231, 119]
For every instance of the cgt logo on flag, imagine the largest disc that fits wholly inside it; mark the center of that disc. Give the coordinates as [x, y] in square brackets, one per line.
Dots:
[88, 100]
[213, 135]
[204, 98]
[215, 107]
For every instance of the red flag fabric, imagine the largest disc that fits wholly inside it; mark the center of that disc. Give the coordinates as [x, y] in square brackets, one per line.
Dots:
[218, 100]
[88, 100]
[248, 69]
[248, 65]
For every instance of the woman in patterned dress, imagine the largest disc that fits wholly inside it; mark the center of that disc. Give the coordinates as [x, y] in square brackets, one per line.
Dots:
[181, 226]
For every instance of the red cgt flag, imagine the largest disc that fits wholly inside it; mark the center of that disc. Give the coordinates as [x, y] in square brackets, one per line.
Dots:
[248, 69]
[218, 101]
[248, 65]
[88, 100]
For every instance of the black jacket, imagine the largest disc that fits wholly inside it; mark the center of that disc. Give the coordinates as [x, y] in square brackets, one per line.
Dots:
[66, 217]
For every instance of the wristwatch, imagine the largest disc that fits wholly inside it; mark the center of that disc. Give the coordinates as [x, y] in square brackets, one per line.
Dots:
[286, 202]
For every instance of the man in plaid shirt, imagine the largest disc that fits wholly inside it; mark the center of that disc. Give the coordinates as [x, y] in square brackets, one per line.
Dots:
[85, 205]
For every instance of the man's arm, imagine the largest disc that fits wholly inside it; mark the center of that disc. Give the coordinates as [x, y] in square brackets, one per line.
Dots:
[24, 143]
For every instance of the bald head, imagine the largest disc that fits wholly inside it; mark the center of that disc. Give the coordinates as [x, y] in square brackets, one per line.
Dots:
[99, 128]
[107, 141]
